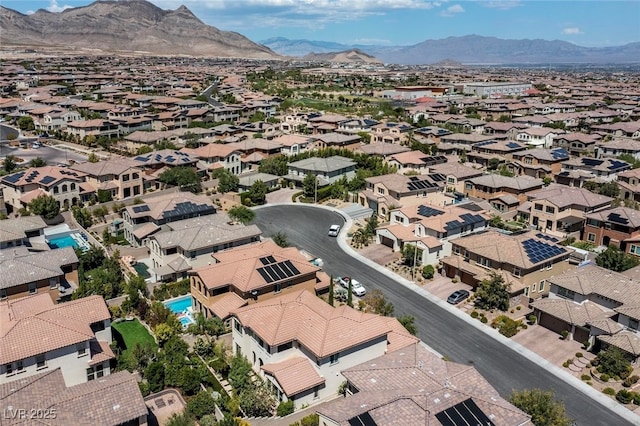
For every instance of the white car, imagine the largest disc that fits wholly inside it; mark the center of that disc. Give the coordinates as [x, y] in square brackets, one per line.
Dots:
[334, 230]
[357, 288]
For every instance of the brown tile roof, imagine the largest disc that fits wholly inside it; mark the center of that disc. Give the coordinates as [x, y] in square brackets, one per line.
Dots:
[100, 352]
[46, 176]
[115, 166]
[617, 215]
[223, 305]
[35, 266]
[628, 341]
[439, 221]
[109, 401]
[573, 313]
[562, 195]
[405, 233]
[34, 325]
[294, 375]
[240, 266]
[412, 385]
[303, 317]
[16, 228]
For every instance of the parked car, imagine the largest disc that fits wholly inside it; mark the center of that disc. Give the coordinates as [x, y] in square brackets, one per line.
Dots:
[334, 230]
[356, 288]
[458, 296]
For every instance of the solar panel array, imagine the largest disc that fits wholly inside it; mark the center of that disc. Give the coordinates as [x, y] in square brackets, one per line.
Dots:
[485, 143]
[615, 164]
[140, 209]
[363, 419]
[184, 209]
[420, 184]
[514, 145]
[547, 237]
[559, 154]
[438, 177]
[31, 176]
[427, 211]
[267, 260]
[539, 251]
[466, 412]
[592, 162]
[14, 177]
[467, 219]
[278, 271]
[47, 180]
[615, 217]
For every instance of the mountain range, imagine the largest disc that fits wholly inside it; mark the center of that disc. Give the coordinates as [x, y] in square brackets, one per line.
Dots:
[471, 49]
[140, 26]
[131, 26]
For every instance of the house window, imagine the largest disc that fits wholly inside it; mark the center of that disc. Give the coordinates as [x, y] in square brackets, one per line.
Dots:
[19, 366]
[278, 288]
[95, 372]
[82, 349]
[526, 291]
[41, 362]
[466, 255]
[592, 237]
[516, 271]
[563, 292]
[541, 288]
[468, 185]
[3, 293]
[456, 250]
[533, 288]
[333, 359]
[9, 368]
[237, 326]
[633, 323]
[316, 392]
[53, 283]
[634, 249]
[32, 288]
[125, 178]
[550, 210]
[483, 261]
[381, 191]
[537, 207]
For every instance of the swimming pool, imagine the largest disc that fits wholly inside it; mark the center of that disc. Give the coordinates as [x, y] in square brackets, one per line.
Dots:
[181, 306]
[60, 242]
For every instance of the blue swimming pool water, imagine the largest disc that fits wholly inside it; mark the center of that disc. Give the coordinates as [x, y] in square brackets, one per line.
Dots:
[61, 242]
[180, 307]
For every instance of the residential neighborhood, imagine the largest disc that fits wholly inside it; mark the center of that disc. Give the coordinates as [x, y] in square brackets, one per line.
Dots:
[183, 240]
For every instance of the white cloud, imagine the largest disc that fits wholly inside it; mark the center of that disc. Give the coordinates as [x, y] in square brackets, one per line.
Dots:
[572, 31]
[54, 7]
[501, 4]
[452, 10]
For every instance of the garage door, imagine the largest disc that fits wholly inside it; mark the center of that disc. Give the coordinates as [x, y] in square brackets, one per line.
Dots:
[552, 323]
[467, 278]
[386, 241]
[581, 335]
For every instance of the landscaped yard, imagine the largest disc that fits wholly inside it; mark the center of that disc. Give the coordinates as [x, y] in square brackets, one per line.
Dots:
[133, 332]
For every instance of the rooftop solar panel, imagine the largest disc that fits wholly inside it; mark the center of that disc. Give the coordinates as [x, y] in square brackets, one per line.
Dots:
[427, 211]
[292, 268]
[363, 419]
[264, 275]
[47, 180]
[514, 145]
[615, 217]
[466, 412]
[140, 209]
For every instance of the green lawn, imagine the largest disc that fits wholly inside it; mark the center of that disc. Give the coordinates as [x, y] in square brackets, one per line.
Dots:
[132, 332]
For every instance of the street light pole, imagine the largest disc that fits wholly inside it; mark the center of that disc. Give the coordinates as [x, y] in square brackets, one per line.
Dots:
[315, 193]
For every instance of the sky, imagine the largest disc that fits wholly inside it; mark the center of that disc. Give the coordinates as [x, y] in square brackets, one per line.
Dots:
[593, 23]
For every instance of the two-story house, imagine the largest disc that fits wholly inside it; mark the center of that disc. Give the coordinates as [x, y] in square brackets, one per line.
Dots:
[28, 273]
[414, 162]
[430, 229]
[629, 183]
[594, 305]
[387, 192]
[539, 137]
[97, 127]
[63, 184]
[456, 175]
[391, 132]
[121, 177]
[217, 156]
[37, 335]
[189, 243]
[336, 140]
[503, 192]
[619, 226]
[249, 274]
[425, 388]
[15, 232]
[617, 147]
[142, 220]
[326, 170]
[293, 144]
[524, 260]
[299, 343]
[561, 210]
[537, 163]
[602, 168]
[577, 143]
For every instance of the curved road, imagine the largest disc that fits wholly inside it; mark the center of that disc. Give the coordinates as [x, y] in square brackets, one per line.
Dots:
[505, 369]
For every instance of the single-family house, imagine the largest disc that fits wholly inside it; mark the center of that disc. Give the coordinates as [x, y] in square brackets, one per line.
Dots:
[326, 170]
[618, 226]
[120, 177]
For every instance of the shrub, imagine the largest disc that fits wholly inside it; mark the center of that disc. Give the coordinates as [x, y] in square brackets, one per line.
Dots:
[613, 362]
[518, 307]
[609, 391]
[565, 334]
[428, 271]
[579, 355]
[285, 408]
[484, 320]
[604, 377]
[636, 398]
[630, 381]
[585, 377]
[454, 280]
[532, 319]
[566, 364]
[474, 314]
[624, 396]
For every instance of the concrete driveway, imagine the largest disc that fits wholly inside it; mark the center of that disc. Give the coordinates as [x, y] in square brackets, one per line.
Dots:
[548, 344]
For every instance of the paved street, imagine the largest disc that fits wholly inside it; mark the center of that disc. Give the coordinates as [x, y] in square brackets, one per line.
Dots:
[306, 227]
[49, 154]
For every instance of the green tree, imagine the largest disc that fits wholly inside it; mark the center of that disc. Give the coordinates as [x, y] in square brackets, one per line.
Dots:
[241, 214]
[350, 295]
[280, 238]
[9, 164]
[376, 302]
[201, 405]
[411, 255]
[182, 419]
[285, 408]
[45, 206]
[258, 192]
[257, 401]
[26, 123]
[190, 379]
[163, 333]
[493, 164]
[93, 158]
[37, 162]
[239, 373]
[428, 272]
[309, 185]
[155, 376]
[616, 260]
[492, 293]
[227, 181]
[331, 289]
[409, 323]
[541, 406]
[184, 177]
[104, 196]
[609, 189]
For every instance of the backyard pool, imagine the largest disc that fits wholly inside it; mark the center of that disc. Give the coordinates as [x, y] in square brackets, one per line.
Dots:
[61, 242]
[62, 236]
[181, 306]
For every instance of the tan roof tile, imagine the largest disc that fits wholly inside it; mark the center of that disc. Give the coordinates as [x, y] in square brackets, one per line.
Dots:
[294, 375]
